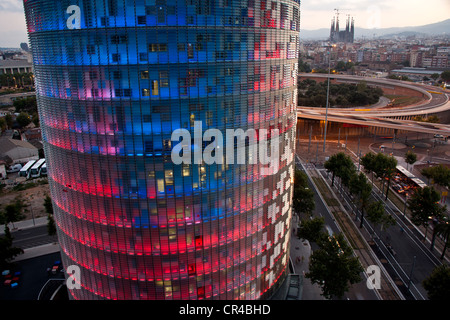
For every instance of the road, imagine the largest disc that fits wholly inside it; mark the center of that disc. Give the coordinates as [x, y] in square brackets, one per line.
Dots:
[358, 291]
[407, 259]
[437, 101]
[32, 237]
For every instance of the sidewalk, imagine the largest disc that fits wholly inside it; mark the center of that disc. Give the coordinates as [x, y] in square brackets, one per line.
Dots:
[25, 224]
[300, 253]
[38, 251]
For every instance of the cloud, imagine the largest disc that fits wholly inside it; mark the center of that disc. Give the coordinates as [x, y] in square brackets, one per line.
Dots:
[11, 6]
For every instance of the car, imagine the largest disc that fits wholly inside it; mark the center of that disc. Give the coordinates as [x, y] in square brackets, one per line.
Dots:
[439, 136]
[14, 168]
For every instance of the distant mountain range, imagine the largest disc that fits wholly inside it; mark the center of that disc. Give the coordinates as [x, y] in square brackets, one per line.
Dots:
[438, 28]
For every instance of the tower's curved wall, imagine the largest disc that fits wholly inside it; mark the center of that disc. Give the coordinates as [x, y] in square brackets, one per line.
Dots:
[113, 89]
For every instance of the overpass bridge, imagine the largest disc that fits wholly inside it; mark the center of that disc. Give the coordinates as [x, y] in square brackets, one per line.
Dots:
[434, 102]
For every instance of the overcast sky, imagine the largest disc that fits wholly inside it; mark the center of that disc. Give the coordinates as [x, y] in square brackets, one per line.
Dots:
[315, 14]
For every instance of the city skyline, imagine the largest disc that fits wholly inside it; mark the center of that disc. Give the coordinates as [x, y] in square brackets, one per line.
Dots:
[385, 14]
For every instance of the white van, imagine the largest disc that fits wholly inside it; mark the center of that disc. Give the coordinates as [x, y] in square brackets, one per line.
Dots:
[14, 168]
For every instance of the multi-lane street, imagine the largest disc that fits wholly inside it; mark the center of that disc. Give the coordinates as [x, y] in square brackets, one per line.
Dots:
[401, 248]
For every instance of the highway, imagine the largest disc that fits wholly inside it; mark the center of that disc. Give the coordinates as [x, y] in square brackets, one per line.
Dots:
[437, 101]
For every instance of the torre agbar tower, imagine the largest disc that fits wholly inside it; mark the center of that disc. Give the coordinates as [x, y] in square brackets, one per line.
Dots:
[114, 80]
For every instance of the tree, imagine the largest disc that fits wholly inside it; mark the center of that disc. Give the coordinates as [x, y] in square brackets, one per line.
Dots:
[339, 165]
[51, 226]
[378, 216]
[360, 187]
[368, 162]
[435, 76]
[334, 267]
[35, 120]
[303, 199]
[311, 230]
[13, 212]
[424, 205]
[3, 124]
[441, 229]
[410, 157]
[23, 119]
[385, 167]
[28, 104]
[9, 121]
[7, 251]
[438, 283]
[440, 174]
[48, 205]
[445, 76]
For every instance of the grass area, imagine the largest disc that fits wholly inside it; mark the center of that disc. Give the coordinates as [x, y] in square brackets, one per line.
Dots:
[331, 201]
[402, 101]
[341, 218]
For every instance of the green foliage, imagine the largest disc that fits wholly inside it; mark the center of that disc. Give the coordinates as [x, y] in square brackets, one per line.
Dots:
[435, 76]
[51, 226]
[23, 119]
[445, 76]
[410, 157]
[442, 230]
[437, 283]
[314, 94]
[333, 266]
[377, 215]
[303, 199]
[312, 230]
[3, 124]
[340, 165]
[13, 212]
[28, 104]
[440, 174]
[48, 205]
[303, 67]
[423, 204]
[344, 66]
[360, 187]
[7, 251]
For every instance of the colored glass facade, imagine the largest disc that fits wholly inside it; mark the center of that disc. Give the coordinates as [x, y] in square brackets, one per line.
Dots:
[112, 89]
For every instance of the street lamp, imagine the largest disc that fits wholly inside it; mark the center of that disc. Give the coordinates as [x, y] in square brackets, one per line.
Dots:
[328, 95]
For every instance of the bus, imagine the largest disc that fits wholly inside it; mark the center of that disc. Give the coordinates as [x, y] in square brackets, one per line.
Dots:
[43, 171]
[26, 168]
[35, 169]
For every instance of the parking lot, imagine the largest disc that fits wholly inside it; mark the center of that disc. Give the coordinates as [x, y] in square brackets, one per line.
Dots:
[33, 276]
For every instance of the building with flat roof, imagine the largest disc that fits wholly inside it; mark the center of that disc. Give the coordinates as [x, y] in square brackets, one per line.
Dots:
[15, 66]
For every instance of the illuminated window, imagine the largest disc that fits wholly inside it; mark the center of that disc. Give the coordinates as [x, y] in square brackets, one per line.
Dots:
[153, 47]
[186, 170]
[155, 88]
[145, 92]
[160, 185]
[190, 51]
[162, 47]
[145, 75]
[164, 79]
